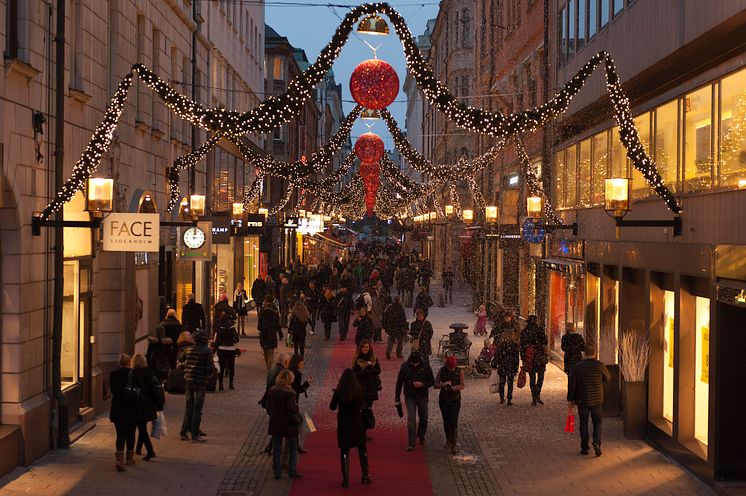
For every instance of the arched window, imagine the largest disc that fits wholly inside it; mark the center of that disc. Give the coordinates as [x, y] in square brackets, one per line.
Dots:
[465, 28]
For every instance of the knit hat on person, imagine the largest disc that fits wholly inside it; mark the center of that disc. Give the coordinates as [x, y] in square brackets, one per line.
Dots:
[451, 362]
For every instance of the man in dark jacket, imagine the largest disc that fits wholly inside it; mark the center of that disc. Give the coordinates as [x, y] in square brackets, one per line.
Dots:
[573, 345]
[448, 285]
[395, 325]
[344, 309]
[416, 378]
[193, 315]
[196, 360]
[258, 293]
[269, 329]
[586, 389]
[423, 301]
[534, 355]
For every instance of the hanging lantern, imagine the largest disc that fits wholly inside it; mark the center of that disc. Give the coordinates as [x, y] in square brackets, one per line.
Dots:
[369, 147]
[370, 115]
[374, 25]
[374, 84]
[535, 206]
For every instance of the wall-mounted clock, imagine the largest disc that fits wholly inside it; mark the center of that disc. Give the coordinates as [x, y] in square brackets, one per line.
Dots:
[194, 238]
[533, 230]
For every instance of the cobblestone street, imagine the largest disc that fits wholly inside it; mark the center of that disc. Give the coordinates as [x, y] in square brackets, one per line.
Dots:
[518, 450]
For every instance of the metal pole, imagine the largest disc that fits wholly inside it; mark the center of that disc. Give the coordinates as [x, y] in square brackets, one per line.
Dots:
[60, 404]
[541, 289]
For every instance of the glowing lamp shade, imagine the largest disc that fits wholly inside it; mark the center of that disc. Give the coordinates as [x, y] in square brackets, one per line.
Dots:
[370, 115]
[264, 212]
[617, 196]
[432, 216]
[490, 213]
[100, 197]
[373, 25]
[301, 213]
[237, 210]
[197, 205]
[468, 215]
[449, 210]
[535, 206]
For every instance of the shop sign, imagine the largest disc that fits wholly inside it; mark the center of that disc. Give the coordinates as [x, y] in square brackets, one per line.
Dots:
[131, 232]
[221, 230]
[566, 248]
[291, 223]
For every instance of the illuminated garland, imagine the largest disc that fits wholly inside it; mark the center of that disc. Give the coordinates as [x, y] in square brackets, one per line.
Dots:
[185, 162]
[251, 196]
[455, 200]
[534, 184]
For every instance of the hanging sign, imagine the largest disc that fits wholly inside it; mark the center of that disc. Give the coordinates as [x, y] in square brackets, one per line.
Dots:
[221, 230]
[252, 226]
[131, 232]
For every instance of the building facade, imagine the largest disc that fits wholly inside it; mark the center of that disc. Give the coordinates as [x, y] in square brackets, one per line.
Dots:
[685, 293]
[111, 301]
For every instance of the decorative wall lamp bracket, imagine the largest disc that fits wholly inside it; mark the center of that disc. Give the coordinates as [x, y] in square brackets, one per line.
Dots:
[617, 205]
[563, 227]
[675, 223]
[37, 223]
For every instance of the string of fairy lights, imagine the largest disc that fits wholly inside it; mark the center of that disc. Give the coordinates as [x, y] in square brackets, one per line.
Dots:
[279, 109]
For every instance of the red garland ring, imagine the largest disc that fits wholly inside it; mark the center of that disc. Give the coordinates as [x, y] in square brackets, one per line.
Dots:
[374, 84]
[369, 147]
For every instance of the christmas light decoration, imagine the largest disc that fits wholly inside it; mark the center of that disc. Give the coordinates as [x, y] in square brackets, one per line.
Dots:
[374, 84]
[369, 147]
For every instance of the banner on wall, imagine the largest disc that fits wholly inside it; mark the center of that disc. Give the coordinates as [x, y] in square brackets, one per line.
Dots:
[131, 232]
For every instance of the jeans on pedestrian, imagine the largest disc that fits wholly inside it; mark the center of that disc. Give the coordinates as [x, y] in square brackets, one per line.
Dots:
[509, 379]
[595, 413]
[344, 325]
[416, 410]
[143, 438]
[195, 400]
[536, 381]
[450, 410]
[269, 357]
[292, 443]
[327, 330]
[125, 435]
[399, 339]
[312, 321]
[227, 360]
[299, 344]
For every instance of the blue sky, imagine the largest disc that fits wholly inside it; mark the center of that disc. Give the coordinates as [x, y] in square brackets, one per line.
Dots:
[312, 27]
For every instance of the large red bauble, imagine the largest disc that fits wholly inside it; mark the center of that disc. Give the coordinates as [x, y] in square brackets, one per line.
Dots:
[369, 169]
[369, 147]
[374, 84]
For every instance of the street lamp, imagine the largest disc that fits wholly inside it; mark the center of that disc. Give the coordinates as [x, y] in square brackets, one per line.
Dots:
[468, 216]
[432, 216]
[197, 205]
[263, 211]
[535, 206]
[490, 213]
[617, 205]
[237, 210]
[449, 211]
[100, 196]
[374, 25]
[370, 115]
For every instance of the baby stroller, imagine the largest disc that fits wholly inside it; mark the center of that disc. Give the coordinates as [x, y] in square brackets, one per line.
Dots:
[458, 345]
[482, 364]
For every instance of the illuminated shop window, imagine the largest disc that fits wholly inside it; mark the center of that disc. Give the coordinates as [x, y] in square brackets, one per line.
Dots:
[733, 131]
[571, 173]
[640, 187]
[559, 179]
[584, 173]
[618, 166]
[599, 161]
[668, 353]
[702, 370]
[666, 142]
[698, 140]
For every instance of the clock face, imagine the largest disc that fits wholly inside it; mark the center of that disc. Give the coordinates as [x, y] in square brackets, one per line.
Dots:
[194, 238]
[533, 230]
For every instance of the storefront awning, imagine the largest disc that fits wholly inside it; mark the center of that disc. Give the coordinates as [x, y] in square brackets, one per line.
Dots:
[564, 265]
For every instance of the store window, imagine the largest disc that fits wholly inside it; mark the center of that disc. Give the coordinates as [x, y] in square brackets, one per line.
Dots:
[571, 174]
[698, 140]
[559, 179]
[599, 167]
[70, 355]
[667, 142]
[702, 370]
[733, 131]
[592, 18]
[640, 187]
[669, 320]
[584, 174]
[618, 165]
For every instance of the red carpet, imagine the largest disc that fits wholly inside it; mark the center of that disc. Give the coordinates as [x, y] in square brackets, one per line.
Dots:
[392, 469]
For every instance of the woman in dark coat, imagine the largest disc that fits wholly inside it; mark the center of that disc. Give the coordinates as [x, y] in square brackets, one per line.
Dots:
[123, 412]
[169, 329]
[364, 326]
[349, 398]
[299, 318]
[327, 312]
[149, 405]
[421, 335]
[506, 363]
[300, 387]
[269, 329]
[368, 372]
[284, 420]
[573, 345]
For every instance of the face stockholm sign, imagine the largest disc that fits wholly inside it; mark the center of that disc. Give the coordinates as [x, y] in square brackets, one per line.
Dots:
[131, 232]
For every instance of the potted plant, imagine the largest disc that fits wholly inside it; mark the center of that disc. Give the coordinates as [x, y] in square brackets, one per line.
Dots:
[634, 353]
[612, 405]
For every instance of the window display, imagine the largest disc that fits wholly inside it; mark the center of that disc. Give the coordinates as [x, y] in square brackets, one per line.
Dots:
[669, 320]
[702, 370]
[667, 142]
[733, 130]
[600, 161]
[698, 140]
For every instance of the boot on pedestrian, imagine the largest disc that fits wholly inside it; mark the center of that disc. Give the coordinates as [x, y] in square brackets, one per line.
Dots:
[131, 458]
[345, 462]
[119, 456]
[365, 467]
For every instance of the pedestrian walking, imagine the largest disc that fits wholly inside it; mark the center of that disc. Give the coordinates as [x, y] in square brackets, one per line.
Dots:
[363, 325]
[327, 312]
[258, 293]
[586, 390]
[123, 411]
[296, 366]
[345, 306]
[196, 359]
[269, 329]
[298, 321]
[421, 335]
[193, 315]
[225, 339]
[376, 313]
[395, 325]
[284, 297]
[448, 284]
[506, 362]
[152, 400]
[311, 299]
[282, 363]
[241, 307]
[368, 372]
[450, 380]
[534, 355]
[573, 345]
[423, 301]
[415, 379]
[220, 308]
[284, 420]
[480, 329]
[348, 399]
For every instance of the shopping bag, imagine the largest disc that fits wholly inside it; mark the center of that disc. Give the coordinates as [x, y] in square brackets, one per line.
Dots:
[570, 421]
[521, 383]
[494, 382]
[289, 340]
[309, 423]
[159, 426]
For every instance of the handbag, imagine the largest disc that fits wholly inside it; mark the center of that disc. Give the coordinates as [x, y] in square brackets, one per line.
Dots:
[369, 419]
[570, 421]
[132, 392]
[309, 422]
[494, 382]
[521, 383]
[160, 428]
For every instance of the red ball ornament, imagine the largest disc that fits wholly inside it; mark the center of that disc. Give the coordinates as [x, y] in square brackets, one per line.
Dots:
[369, 169]
[374, 84]
[369, 147]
